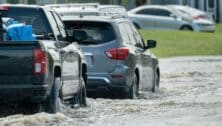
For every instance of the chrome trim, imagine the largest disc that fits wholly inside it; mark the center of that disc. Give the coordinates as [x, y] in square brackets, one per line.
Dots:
[100, 78]
[88, 54]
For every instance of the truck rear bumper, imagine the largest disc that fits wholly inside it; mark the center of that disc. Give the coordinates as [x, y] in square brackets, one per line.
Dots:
[19, 93]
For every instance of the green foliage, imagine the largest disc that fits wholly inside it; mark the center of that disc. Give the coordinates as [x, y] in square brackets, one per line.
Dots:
[185, 43]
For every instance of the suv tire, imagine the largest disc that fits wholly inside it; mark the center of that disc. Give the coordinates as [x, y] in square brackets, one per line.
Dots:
[79, 99]
[156, 81]
[133, 90]
[186, 28]
[54, 101]
[82, 94]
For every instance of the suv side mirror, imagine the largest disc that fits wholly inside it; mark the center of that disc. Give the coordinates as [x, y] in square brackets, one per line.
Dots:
[150, 44]
[79, 35]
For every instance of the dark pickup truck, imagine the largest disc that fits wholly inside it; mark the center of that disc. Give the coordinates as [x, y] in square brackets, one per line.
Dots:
[46, 71]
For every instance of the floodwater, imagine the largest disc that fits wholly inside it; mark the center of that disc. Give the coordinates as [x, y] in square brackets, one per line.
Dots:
[190, 95]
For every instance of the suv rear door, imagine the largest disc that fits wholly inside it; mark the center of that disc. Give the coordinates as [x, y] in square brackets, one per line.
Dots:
[145, 60]
[100, 38]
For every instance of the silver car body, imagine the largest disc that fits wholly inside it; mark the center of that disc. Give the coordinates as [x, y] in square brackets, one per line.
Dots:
[167, 18]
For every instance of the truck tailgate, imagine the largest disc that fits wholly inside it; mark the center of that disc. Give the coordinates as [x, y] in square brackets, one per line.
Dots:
[16, 58]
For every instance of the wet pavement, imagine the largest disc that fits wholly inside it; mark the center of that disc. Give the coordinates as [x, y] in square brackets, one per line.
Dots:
[190, 95]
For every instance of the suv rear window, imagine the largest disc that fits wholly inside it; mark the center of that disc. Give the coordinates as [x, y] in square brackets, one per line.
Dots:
[97, 32]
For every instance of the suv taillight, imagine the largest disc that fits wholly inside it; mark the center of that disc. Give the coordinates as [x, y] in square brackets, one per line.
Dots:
[117, 53]
[39, 61]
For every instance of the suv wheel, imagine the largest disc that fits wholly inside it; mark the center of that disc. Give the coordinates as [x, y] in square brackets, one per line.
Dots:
[133, 91]
[186, 28]
[54, 101]
[82, 94]
[155, 88]
[79, 99]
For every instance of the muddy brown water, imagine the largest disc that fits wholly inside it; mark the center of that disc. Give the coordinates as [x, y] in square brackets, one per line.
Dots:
[190, 95]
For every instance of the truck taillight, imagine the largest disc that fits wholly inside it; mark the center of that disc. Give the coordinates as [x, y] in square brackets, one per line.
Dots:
[39, 61]
[117, 53]
[4, 8]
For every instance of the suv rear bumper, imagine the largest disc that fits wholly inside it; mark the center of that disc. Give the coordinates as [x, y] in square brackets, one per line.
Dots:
[26, 92]
[106, 85]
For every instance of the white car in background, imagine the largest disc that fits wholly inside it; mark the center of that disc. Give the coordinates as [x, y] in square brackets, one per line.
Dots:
[168, 18]
[193, 12]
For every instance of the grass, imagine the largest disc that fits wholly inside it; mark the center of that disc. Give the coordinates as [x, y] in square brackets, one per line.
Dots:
[185, 43]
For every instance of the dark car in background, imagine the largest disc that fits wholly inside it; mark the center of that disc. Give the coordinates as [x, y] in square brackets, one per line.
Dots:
[45, 72]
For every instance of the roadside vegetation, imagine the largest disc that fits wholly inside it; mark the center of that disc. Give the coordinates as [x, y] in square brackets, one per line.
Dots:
[185, 43]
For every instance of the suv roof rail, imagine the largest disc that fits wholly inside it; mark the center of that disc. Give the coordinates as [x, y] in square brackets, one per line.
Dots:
[108, 15]
[115, 16]
[83, 5]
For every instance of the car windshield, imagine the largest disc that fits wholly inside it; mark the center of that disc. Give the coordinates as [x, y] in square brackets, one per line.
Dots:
[29, 16]
[97, 32]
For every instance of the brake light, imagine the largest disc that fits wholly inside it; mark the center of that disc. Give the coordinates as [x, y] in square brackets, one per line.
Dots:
[3, 7]
[117, 53]
[39, 61]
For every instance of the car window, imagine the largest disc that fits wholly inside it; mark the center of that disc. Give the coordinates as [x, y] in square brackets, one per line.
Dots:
[97, 32]
[160, 12]
[29, 16]
[60, 25]
[123, 33]
[139, 39]
[155, 12]
[53, 23]
[130, 33]
[149, 11]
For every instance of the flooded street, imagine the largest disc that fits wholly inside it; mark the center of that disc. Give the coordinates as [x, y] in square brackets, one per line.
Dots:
[190, 95]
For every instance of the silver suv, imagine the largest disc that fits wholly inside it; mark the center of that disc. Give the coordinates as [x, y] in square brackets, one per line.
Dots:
[118, 60]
